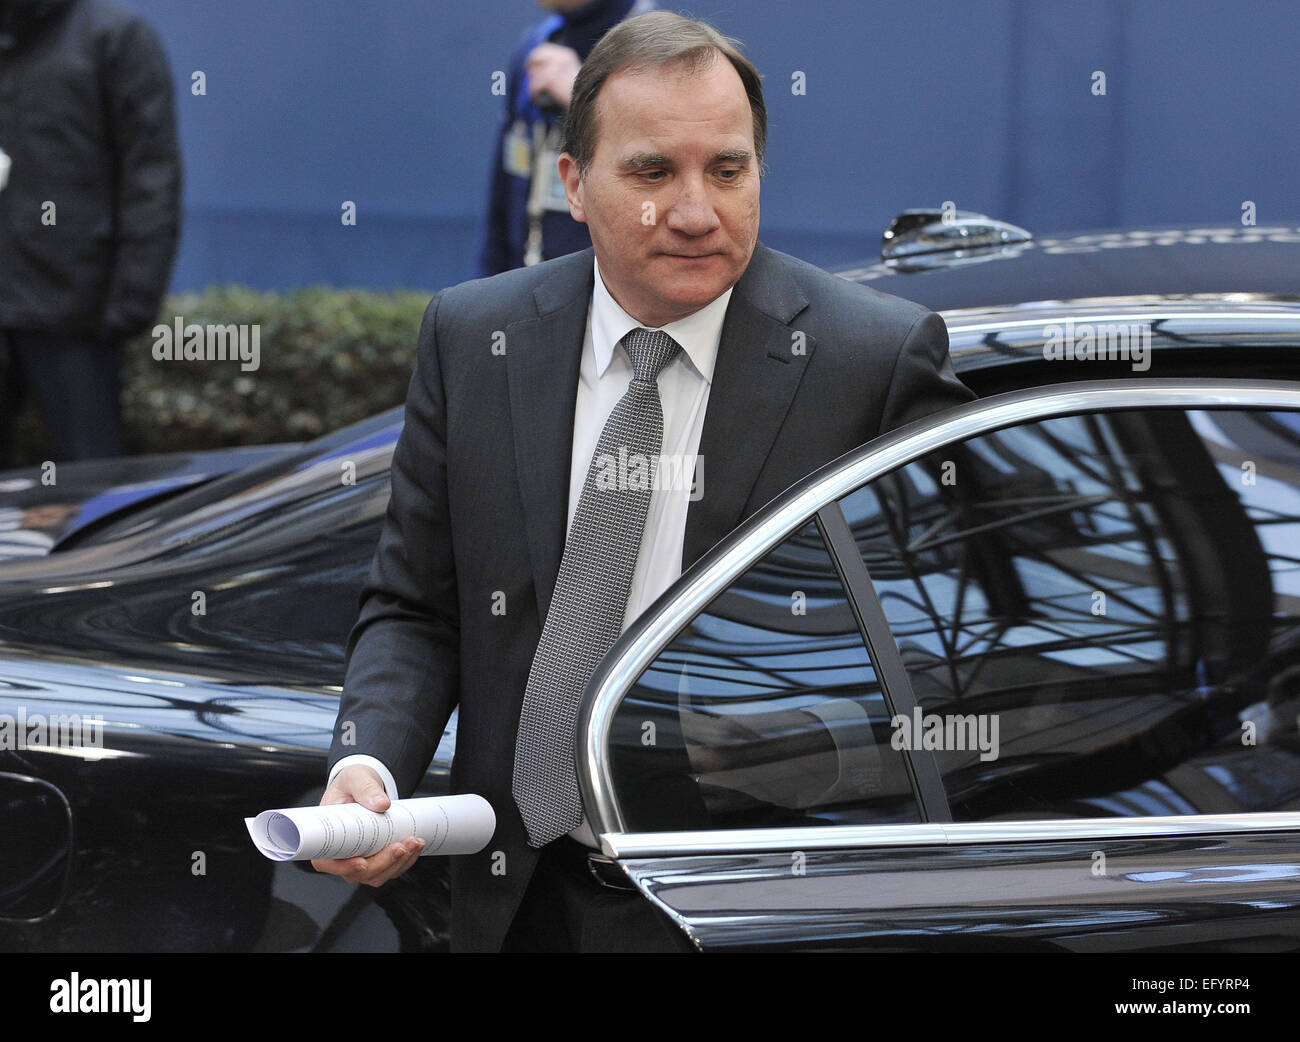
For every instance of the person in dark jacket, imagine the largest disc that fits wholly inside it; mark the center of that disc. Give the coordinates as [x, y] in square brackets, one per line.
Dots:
[90, 184]
[528, 217]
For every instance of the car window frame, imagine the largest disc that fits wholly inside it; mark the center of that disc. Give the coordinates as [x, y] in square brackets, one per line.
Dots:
[818, 497]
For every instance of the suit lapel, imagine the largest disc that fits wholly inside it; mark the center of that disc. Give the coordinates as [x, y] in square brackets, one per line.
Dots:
[761, 359]
[760, 364]
[543, 359]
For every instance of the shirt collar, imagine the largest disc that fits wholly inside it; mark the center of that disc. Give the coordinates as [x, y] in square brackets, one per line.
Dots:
[698, 333]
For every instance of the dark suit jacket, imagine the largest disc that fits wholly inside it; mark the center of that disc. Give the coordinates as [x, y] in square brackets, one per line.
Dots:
[809, 366]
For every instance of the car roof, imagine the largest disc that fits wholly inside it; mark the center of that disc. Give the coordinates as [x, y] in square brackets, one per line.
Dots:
[1140, 262]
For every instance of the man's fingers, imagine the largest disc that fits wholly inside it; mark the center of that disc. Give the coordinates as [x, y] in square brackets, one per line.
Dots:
[552, 68]
[391, 862]
[550, 53]
[366, 788]
[357, 784]
[344, 867]
[378, 868]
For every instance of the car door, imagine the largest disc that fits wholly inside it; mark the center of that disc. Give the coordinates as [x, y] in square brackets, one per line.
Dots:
[1022, 677]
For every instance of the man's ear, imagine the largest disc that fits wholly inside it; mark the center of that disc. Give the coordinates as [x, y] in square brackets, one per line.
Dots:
[568, 168]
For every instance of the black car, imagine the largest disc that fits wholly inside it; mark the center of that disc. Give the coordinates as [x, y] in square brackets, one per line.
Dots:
[1021, 676]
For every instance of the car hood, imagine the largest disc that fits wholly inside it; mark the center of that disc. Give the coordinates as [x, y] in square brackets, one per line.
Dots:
[40, 507]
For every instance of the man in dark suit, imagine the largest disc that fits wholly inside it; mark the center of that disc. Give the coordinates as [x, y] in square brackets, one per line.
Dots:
[764, 366]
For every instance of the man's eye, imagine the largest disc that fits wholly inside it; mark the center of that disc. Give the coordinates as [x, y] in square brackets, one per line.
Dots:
[729, 173]
[653, 175]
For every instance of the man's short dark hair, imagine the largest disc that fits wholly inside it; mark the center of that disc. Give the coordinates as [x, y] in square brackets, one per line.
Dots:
[650, 41]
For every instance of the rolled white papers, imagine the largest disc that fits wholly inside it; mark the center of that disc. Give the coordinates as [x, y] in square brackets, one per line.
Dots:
[447, 824]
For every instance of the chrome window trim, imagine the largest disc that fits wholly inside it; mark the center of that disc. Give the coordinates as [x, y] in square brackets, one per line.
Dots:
[1019, 330]
[980, 322]
[947, 834]
[655, 629]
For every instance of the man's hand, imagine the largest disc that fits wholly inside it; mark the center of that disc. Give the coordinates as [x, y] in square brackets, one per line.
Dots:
[552, 68]
[357, 784]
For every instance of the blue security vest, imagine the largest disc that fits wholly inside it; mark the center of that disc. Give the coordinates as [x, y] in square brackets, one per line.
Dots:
[515, 156]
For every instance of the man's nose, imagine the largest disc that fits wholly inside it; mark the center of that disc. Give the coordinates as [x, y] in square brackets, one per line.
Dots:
[692, 212]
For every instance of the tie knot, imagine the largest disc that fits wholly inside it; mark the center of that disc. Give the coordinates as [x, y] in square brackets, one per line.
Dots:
[650, 350]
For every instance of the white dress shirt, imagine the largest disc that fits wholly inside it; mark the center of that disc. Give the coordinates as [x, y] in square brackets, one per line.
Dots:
[684, 384]
[603, 378]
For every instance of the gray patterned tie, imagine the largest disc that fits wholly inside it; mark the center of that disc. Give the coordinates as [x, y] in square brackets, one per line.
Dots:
[590, 598]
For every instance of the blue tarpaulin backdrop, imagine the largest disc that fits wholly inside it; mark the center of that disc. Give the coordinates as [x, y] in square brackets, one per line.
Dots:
[988, 103]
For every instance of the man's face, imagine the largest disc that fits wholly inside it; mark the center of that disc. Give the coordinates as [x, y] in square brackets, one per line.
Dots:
[671, 195]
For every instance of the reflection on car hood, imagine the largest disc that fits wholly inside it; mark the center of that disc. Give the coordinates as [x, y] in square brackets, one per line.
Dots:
[42, 506]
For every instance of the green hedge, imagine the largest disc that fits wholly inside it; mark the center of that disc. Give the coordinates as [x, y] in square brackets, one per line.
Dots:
[328, 357]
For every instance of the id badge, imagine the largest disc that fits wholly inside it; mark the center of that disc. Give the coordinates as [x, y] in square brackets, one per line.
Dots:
[555, 197]
[517, 151]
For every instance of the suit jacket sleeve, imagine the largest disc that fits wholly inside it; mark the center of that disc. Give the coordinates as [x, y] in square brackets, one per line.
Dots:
[403, 653]
[923, 381]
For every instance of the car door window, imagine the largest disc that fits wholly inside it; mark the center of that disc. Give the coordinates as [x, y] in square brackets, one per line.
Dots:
[763, 712]
[1098, 614]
